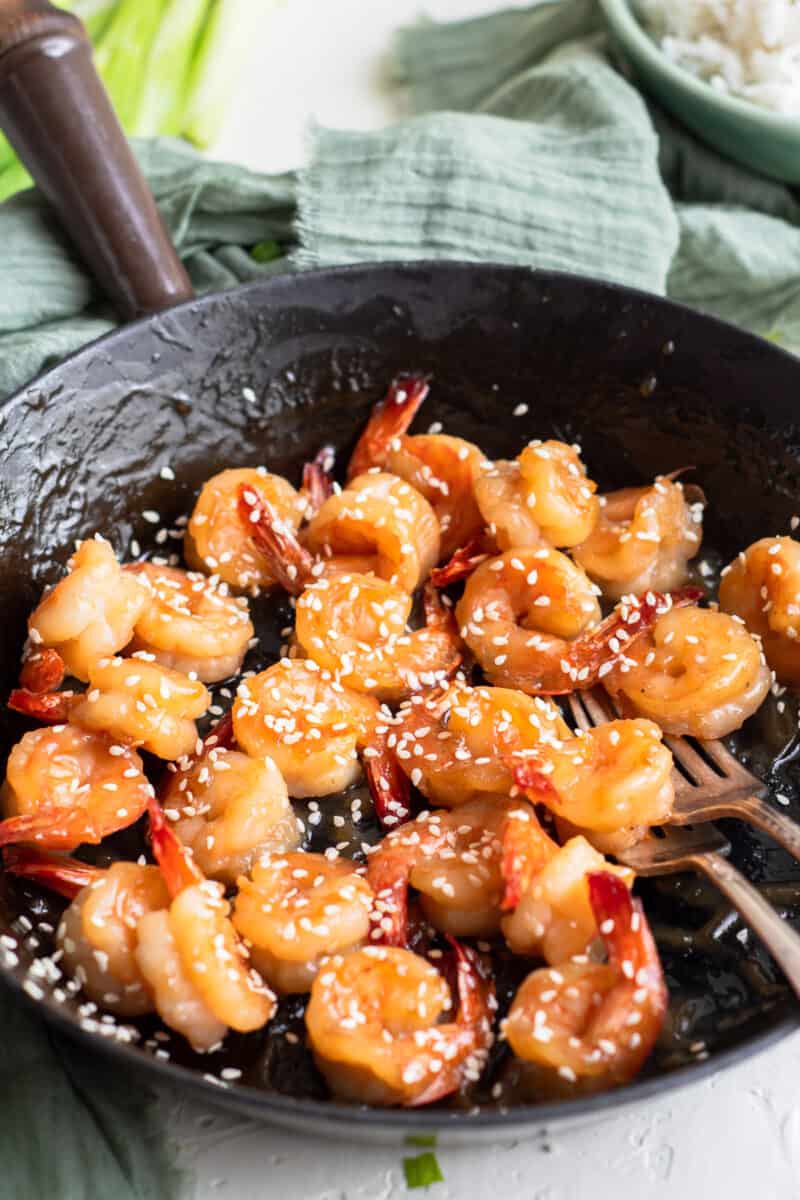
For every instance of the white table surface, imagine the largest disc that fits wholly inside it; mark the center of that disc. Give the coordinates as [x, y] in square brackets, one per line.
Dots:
[736, 1135]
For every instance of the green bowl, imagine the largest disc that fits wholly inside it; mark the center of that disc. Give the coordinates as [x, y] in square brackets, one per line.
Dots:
[764, 141]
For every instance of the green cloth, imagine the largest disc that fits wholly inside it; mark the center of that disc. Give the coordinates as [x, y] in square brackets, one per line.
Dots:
[528, 147]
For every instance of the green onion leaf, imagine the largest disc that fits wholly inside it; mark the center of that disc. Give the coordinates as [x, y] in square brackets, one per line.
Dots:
[264, 252]
[422, 1140]
[422, 1171]
[165, 93]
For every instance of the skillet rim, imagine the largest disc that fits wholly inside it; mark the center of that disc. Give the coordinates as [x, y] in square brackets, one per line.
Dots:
[332, 1113]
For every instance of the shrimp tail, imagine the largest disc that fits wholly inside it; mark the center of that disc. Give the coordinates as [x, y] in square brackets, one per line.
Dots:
[318, 480]
[389, 419]
[67, 876]
[461, 565]
[52, 708]
[532, 780]
[438, 615]
[389, 916]
[526, 850]
[174, 859]
[629, 941]
[51, 827]
[289, 562]
[221, 736]
[42, 671]
[388, 786]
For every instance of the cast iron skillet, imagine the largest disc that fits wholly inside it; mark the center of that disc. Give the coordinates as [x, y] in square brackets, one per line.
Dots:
[265, 374]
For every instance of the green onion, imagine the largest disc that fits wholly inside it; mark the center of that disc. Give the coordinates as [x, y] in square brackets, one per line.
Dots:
[162, 106]
[123, 53]
[422, 1171]
[422, 1140]
[264, 252]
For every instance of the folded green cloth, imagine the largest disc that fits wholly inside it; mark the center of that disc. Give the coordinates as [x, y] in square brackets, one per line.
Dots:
[528, 147]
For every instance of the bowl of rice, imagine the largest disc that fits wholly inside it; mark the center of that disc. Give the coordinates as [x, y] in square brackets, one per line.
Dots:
[729, 69]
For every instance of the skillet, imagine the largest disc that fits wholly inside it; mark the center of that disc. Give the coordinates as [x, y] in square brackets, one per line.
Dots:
[266, 373]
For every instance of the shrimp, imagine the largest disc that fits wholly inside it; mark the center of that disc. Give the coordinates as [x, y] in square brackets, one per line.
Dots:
[644, 538]
[586, 1026]
[611, 778]
[190, 624]
[443, 468]
[762, 586]
[295, 910]
[385, 523]
[217, 540]
[544, 497]
[91, 613]
[696, 672]
[456, 745]
[97, 933]
[356, 627]
[190, 955]
[553, 918]
[372, 1026]
[67, 786]
[229, 810]
[468, 866]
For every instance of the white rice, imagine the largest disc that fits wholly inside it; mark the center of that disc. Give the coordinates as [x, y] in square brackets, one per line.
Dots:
[748, 48]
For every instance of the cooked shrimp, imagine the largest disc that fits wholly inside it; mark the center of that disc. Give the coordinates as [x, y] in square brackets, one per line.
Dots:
[695, 672]
[190, 624]
[318, 482]
[443, 468]
[65, 786]
[97, 933]
[468, 865]
[230, 810]
[644, 538]
[372, 1026]
[295, 910]
[543, 497]
[384, 523]
[217, 541]
[91, 613]
[455, 745]
[612, 778]
[144, 703]
[553, 918]
[762, 586]
[190, 956]
[586, 1026]
[356, 627]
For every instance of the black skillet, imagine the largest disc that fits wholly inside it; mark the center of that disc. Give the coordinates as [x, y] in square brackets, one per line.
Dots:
[268, 372]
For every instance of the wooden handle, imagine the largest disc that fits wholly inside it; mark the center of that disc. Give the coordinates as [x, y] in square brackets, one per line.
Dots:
[57, 115]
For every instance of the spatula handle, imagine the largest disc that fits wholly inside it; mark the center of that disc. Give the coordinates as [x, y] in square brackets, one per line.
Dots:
[57, 115]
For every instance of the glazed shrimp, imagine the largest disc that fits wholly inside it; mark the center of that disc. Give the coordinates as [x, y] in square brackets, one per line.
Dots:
[762, 586]
[644, 538]
[456, 745]
[695, 672]
[218, 542]
[443, 468]
[190, 956]
[91, 613]
[229, 810]
[356, 627]
[612, 779]
[468, 865]
[553, 918]
[66, 786]
[97, 933]
[544, 497]
[295, 910]
[190, 624]
[586, 1026]
[531, 617]
[372, 1026]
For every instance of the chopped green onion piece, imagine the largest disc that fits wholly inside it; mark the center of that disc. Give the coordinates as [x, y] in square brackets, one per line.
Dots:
[775, 335]
[422, 1140]
[422, 1171]
[264, 252]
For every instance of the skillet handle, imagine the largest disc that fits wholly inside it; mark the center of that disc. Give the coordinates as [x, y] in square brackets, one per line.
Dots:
[57, 115]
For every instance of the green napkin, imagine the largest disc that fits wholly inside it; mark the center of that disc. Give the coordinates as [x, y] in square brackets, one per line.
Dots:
[527, 146]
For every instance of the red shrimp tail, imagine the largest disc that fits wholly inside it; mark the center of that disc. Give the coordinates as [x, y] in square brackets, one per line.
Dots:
[526, 850]
[474, 986]
[461, 565]
[389, 917]
[318, 480]
[52, 708]
[289, 562]
[625, 930]
[221, 737]
[388, 787]
[438, 615]
[174, 859]
[534, 782]
[67, 876]
[55, 828]
[389, 419]
[42, 671]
